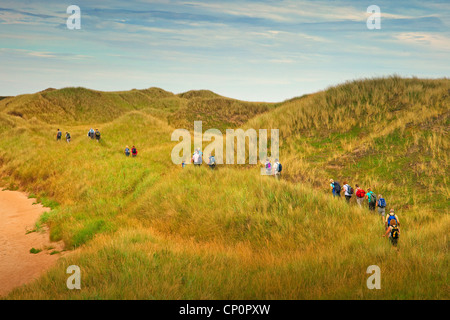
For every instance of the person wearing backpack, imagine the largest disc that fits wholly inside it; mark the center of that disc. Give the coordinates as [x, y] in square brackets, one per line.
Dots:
[394, 232]
[127, 151]
[337, 189]
[332, 187]
[91, 133]
[134, 152]
[58, 135]
[268, 166]
[381, 204]
[372, 198]
[97, 135]
[212, 162]
[196, 159]
[277, 169]
[67, 137]
[200, 154]
[348, 191]
[360, 195]
[391, 216]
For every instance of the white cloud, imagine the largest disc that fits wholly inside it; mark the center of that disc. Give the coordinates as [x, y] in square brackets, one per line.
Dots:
[436, 41]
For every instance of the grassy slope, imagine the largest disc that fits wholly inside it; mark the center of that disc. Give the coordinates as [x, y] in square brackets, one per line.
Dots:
[147, 229]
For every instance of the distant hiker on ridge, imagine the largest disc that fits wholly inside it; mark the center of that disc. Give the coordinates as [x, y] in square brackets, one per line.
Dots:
[127, 151]
[134, 152]
[91, 133]
[67, 137]
[97, 135]
[58, 135]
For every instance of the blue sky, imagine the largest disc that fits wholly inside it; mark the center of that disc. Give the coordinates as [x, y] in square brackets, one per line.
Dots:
[250, 50]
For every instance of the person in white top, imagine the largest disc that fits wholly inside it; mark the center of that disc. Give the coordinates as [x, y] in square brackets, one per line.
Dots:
[196, 158]
[347, 193]
[276, 168]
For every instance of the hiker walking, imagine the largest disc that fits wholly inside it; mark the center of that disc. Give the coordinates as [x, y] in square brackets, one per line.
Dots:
[335, 188]
[360, 195]
[134, 152]
[196, 159]
[58, 135]
[67, 137]
[372, 198]
[391, 216]
[394, 232]
[268, 166]
[212, 162]
[348, 191]
[127, 151]
[277, 169]
[381, 204]
[91, 133]
[97, 135]
[200, 154]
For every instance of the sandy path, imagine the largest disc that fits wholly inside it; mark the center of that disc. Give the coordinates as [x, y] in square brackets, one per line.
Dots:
[17, 265]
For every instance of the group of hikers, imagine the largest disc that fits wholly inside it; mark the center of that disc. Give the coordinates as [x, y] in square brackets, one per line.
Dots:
[390, 221]
[197, 160]
[133, 151]
[274, 170]
[94, 134]
[91, 134]
[59, 136]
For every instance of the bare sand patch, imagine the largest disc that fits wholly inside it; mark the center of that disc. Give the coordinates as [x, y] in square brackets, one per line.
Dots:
[18, 266]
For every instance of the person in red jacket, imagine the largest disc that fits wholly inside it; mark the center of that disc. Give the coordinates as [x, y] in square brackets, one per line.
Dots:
[360, 194]
[133, 151]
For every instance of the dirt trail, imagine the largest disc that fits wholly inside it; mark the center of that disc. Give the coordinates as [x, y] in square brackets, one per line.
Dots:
[17, 265]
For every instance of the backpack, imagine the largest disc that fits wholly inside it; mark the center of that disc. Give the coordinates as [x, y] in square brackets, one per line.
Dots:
[381, 203]
[68, 135]
[59, 134]
[360, 193]
[134, 151]
[212, 161]
[349, 190]
[280, 167]
[337, 187]
[394, 232]
[97, 133]
[373, 198]
[390, 218]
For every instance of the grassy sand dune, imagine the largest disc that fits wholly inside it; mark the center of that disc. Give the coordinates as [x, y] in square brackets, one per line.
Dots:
[145, 228]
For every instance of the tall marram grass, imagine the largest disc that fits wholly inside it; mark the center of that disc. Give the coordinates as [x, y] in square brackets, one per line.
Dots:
[146, 229]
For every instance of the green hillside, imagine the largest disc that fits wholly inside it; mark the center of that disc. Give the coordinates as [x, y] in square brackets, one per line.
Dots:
[143, 228]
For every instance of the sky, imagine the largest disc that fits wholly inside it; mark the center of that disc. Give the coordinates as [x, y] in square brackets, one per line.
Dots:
[249, 50]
